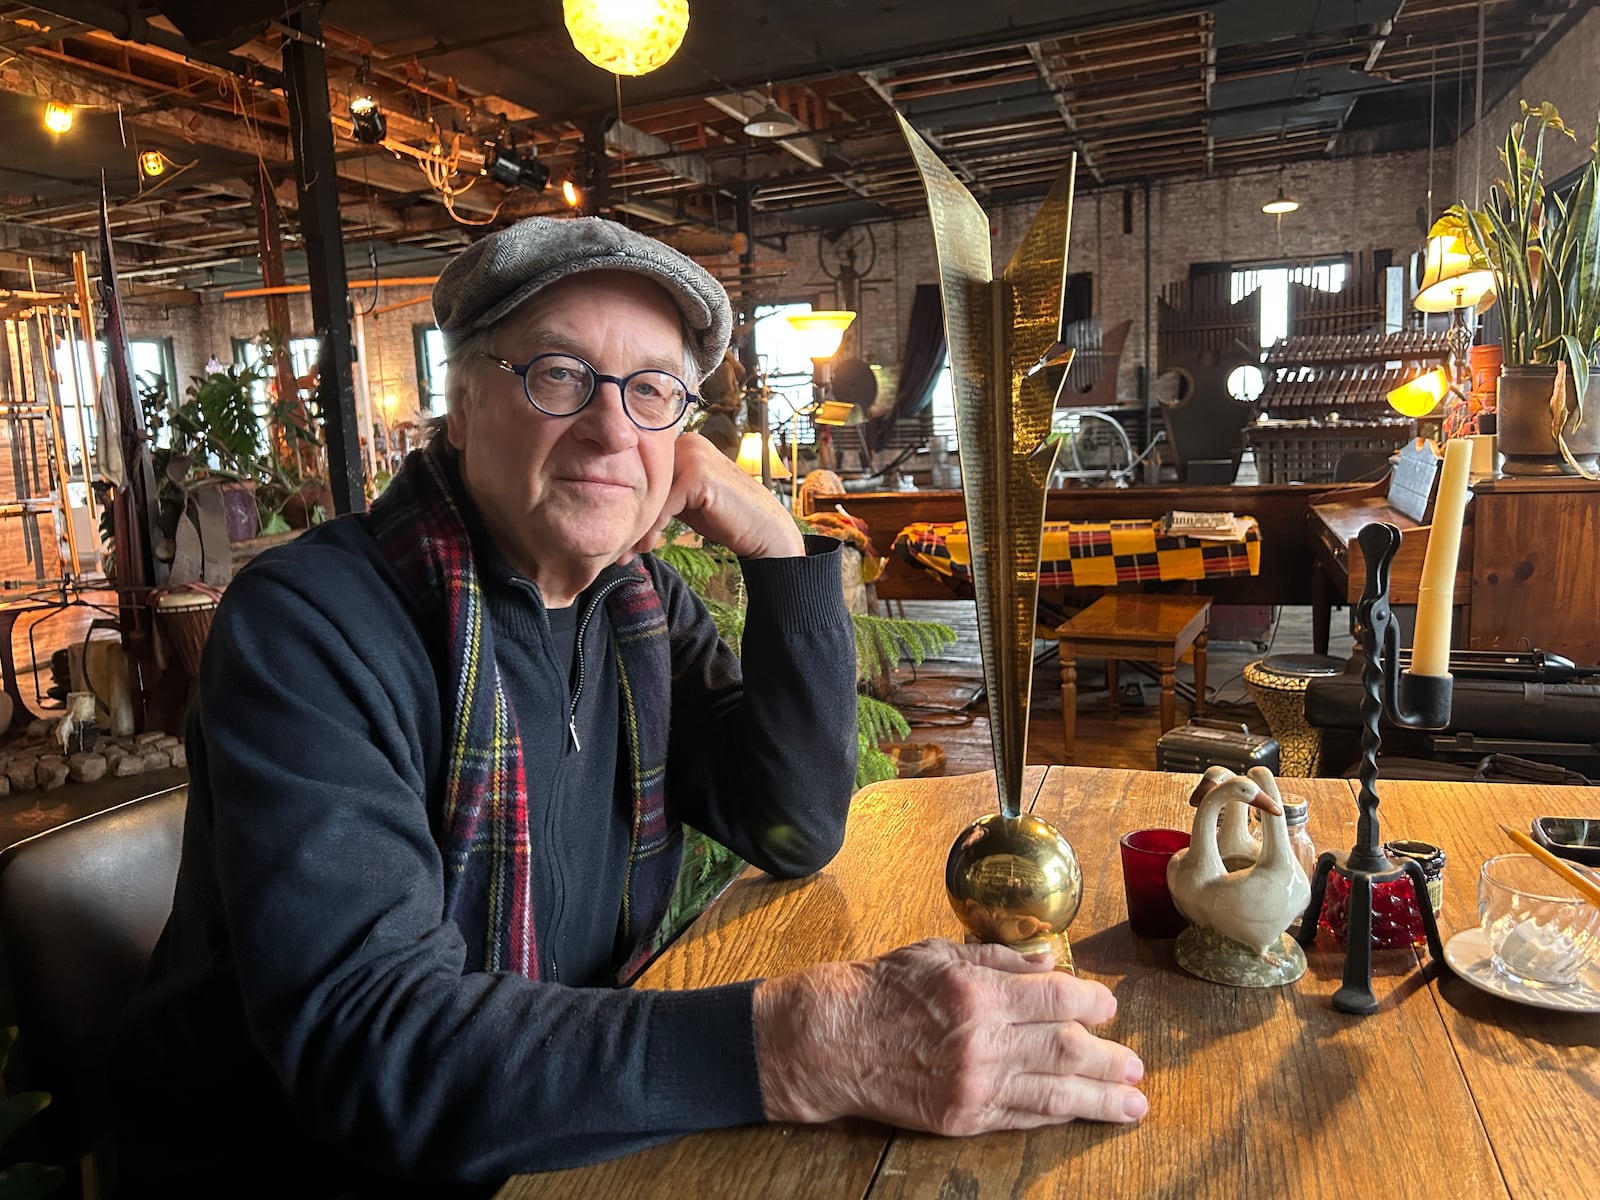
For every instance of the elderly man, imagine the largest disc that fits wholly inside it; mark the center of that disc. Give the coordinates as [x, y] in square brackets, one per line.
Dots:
[438, 769]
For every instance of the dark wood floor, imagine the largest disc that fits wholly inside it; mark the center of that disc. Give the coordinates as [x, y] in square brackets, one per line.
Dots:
[944, 701]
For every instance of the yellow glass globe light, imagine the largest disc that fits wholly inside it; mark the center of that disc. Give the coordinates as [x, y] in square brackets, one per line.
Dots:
[57, 116]
[821, 330]
[749, 460]
[1420, 396]
[152, 163]
[626, 37]
[1449, 281]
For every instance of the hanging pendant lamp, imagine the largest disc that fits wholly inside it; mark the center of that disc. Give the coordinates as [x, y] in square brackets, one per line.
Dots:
[626, 37]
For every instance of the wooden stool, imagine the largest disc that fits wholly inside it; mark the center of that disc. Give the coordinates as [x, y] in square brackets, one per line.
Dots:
[1141, 628]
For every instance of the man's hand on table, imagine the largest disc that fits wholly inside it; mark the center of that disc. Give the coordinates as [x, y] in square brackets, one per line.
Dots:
[953, 1039]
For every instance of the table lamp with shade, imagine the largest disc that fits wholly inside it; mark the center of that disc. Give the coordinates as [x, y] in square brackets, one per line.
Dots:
[1452, 284]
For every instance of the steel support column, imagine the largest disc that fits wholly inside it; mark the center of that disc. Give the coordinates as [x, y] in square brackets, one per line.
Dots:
[311, 135]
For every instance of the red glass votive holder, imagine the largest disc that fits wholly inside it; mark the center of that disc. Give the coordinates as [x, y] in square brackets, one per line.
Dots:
[1145, 854]
[1396, 917]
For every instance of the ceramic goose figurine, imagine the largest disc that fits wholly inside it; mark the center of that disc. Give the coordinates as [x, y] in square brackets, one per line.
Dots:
[1235, 841]
[1253, 905]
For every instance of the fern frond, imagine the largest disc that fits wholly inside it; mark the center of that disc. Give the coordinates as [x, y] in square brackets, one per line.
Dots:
[881, 642]
[879, 722]
[694, 563]
[729, 620]
[873, 766]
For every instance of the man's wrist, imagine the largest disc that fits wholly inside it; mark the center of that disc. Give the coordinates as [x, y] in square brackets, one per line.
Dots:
[797, 1018]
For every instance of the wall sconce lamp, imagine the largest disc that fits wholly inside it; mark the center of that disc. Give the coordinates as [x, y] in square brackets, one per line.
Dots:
[57, 117]
[367, 118]
[822, 330]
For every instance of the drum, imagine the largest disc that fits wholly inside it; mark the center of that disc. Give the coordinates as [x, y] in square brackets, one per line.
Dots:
[1278, 687]
[183, 619]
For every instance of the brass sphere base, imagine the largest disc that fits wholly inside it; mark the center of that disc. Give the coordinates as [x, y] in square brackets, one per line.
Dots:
[1058, 946]
[1015, 881]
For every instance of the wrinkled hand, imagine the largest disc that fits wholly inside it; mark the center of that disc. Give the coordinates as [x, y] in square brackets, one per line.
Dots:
[953, 1039]
[716, 499]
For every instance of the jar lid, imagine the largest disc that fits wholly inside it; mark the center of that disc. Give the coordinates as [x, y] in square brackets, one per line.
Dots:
[1425, 853]
[1296, 814]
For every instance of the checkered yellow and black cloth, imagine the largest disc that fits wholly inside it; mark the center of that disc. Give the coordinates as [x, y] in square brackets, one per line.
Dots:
[1093, 553]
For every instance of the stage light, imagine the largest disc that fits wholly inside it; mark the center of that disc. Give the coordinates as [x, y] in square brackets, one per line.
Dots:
[505, 166]
[367, 118]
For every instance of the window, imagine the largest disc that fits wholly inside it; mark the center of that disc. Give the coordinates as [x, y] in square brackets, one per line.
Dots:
[302, 357]
[784, 364]
[1274, 283]
[150, 359]
[1247, 382]
[432, 368]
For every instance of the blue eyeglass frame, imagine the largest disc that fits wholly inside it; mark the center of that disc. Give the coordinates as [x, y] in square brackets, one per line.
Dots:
[598, 378]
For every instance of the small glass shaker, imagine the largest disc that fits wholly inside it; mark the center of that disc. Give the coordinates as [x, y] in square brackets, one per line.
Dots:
[1296, 809]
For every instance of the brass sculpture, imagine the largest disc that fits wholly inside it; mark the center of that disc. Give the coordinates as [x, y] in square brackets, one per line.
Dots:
[1012, 878]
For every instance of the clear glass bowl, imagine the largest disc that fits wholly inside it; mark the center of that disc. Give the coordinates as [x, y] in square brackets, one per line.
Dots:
[1540, 931]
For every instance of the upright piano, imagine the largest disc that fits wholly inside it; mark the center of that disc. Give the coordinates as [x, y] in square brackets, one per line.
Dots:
[1528, 575]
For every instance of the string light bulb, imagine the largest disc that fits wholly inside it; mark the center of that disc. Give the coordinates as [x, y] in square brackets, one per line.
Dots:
[152, 163]
[571, 193]
[57, 116]
[626, 37]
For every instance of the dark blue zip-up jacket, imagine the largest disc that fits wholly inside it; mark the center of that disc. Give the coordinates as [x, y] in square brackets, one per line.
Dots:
[307, 1024]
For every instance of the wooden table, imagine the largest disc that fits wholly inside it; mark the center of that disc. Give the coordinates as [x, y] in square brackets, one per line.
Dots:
[1444, 1091]
[1140, 628]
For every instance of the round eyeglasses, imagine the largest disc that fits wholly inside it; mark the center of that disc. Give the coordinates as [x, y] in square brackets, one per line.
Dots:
[561, 385]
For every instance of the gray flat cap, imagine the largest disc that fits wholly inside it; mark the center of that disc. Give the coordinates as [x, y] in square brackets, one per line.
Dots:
[493, 276]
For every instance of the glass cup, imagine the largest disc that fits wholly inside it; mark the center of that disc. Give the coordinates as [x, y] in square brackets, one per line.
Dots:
[1145, 854]
[1541, 932]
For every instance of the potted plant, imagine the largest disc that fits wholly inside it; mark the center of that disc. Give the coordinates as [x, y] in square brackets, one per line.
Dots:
[1544, 250]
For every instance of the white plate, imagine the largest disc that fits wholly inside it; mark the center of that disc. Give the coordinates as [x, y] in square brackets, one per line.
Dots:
[1468, 954]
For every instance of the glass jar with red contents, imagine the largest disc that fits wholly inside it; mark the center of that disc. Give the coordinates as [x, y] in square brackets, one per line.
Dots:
[1396, 919]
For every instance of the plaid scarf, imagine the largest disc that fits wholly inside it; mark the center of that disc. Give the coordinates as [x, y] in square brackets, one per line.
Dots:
[482, 826]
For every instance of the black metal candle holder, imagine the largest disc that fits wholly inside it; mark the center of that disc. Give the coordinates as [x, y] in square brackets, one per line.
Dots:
[1411, 701]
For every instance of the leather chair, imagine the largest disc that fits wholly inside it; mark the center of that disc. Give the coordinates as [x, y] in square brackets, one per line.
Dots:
[81, 908]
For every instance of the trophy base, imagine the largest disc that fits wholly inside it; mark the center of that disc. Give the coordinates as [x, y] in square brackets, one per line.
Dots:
[1056, 944]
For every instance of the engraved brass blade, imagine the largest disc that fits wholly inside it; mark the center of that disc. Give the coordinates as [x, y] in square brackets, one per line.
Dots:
[998, 331]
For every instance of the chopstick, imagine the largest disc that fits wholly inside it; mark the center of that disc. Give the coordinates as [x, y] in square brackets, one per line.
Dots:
[1583, 882]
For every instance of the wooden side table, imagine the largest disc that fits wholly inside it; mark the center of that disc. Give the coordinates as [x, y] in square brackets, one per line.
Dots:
[1139, 628]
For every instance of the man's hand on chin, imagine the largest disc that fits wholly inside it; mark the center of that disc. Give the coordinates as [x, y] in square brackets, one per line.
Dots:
[713, 497]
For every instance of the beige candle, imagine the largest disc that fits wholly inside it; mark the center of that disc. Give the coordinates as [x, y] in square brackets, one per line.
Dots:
[1430, 653]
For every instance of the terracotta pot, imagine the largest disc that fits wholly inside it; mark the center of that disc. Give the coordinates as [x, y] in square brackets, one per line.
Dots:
[297, 510]
[1485, 362]
[1524, 424]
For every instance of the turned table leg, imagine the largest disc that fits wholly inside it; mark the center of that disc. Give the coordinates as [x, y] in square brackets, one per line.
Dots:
[1069, 696]
[1169, 696]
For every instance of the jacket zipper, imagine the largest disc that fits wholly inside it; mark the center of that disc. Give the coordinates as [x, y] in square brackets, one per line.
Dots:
[553, 860]
[583, 627]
